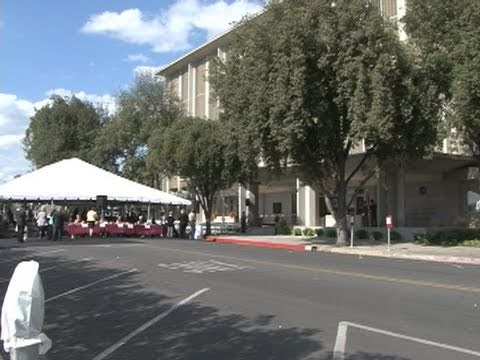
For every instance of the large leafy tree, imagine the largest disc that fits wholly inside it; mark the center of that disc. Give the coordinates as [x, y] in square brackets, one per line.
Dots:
[307, 81]
[122, 144]
[446, 36]
[64, 128]
[195, 149]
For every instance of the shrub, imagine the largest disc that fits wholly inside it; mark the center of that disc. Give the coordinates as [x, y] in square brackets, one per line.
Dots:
[331, 233]
[284, 230]
[395, 236]
[361, 234]
[474, 243]
[319, 232]
[376, 235]
[452, 237]
[297, 232]
[308, 232]
[420, 238]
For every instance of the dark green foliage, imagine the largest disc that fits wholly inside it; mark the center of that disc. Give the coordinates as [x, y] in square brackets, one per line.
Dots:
[361, 234]
[284, 230]
[446, 35]
[306, 82]
[194, 149]
[297, 232]
[65, 128]
[395, 236]
[319, 232]
[331, 233]
[123, 142]
[420, 238]
[308, 232]
[376, 235]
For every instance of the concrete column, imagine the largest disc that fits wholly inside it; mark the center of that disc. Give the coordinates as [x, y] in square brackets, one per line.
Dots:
[399, 219]
[194, 91]
[207, 90]
[252, 195]
[310, 206]
[300, 202]
[242, 196]
[189, 90]
[180, 86]
[401, 12]
[381, 200]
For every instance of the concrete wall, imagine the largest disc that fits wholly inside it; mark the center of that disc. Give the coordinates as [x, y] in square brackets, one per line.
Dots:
[266, 206]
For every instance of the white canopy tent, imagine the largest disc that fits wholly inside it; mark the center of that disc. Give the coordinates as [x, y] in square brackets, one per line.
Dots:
[76, 180]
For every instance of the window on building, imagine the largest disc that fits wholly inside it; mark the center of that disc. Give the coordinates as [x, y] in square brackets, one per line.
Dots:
[277, 207]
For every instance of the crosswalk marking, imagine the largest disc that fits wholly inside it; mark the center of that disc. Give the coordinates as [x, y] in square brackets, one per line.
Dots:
[200, 267]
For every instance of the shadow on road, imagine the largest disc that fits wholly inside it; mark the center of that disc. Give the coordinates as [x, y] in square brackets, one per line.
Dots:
[84, 324]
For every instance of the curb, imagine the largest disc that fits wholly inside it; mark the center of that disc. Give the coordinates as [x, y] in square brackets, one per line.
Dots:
[340, 251]
[264, 244]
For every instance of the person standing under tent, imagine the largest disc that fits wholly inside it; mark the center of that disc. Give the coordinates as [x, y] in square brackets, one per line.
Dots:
[91, 219]
[192, 219]
[183, 218]
[21, 223]
[170, 221]
[41, 218]
[56, 224]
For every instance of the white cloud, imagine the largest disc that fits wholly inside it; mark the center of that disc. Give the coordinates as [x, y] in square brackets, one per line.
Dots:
[173, 27]
[15, 114]
[107, 101]
[146, 70]
[137, 58]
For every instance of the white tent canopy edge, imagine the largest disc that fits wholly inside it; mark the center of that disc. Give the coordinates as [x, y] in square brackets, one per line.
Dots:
[76, 180]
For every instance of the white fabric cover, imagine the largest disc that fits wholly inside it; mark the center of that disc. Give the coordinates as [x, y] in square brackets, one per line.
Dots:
[75, 179]
[23, 310]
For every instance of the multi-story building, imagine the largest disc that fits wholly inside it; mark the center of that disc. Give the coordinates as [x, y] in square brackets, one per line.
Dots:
[432, 191]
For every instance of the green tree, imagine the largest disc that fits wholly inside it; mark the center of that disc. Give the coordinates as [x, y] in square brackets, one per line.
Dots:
[307, 81]
[195, 149]
[64, 128]
[122, 144]
[447, 38]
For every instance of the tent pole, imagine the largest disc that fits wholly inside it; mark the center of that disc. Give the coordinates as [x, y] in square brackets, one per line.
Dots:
[148, 211]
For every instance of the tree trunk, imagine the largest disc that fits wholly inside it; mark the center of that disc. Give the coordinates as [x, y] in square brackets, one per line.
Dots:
[341, 213]
[208, 216]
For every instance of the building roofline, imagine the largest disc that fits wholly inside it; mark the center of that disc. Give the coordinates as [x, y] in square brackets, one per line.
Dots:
[166, 68]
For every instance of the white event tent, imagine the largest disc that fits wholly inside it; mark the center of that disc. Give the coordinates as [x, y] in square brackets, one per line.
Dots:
[74, 179]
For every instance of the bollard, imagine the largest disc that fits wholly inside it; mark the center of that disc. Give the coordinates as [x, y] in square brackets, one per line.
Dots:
[26, 353]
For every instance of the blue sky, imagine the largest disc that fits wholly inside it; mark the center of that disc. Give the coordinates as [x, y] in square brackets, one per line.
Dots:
[91, 49]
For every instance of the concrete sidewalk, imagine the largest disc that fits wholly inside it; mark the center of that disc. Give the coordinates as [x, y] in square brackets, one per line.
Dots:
[456, 255]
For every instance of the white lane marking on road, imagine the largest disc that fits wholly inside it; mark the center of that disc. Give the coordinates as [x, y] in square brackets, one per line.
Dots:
[339, 349]
[145, 326]
[340, 342]
[69, 262]
[89, 285]
[199, 267]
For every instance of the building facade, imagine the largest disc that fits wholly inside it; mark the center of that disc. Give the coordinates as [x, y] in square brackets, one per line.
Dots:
[426, 193]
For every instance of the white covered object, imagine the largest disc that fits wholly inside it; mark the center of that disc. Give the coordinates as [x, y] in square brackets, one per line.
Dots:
[23, 310]
[198, 232]
[75, 179]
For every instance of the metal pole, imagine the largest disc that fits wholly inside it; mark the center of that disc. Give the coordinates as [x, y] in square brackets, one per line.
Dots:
[388, 238]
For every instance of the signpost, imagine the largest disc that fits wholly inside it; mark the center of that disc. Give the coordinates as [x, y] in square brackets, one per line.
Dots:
[352, 223]
[389, 223]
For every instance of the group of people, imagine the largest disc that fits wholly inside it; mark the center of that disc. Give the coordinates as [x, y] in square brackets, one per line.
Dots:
[174, 227]
[48, 221]
[49, 224]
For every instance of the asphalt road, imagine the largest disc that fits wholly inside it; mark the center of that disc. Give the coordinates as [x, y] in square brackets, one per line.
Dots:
[161, 299]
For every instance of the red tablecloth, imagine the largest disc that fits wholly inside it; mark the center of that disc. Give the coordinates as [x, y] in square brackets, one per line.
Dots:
[115, 230]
